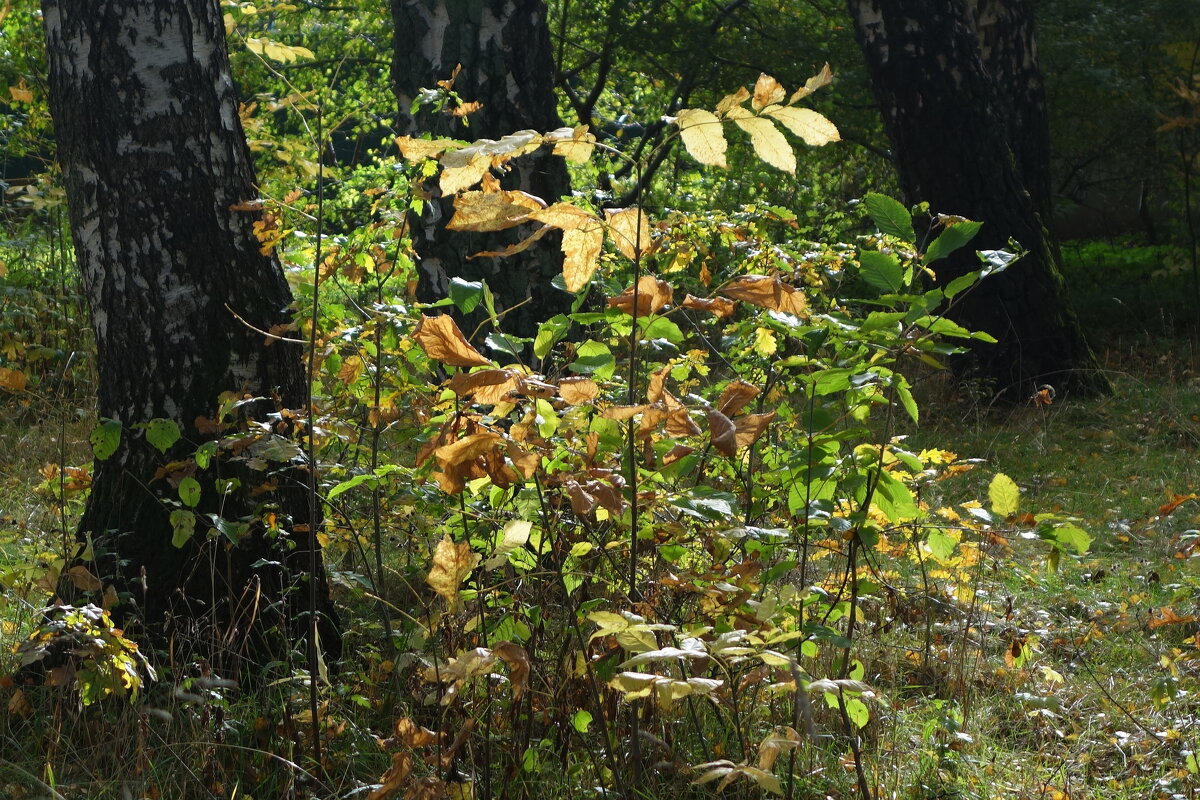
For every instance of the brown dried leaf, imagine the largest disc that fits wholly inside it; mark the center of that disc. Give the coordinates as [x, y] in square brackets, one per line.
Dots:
[656, 385]
[582, 503]
[465, 384]
[620, 413]
[395, 779]
[735, 397]
[767, 90]
[1168, 616]
[83, 579]
[768, 292]
[653, 294]
[680, 423]
[629, 229]
[526, 462]
[410, 734]
[13, 379]
[733, 100]
[720, 306]
[442, 340]
[778, 740]
[722, 433]
[492, 211]
[468, 448]
[821, 79]
[651, 419]
[750, 427]
[578, 390]
[677, 452]
[452, 563]
[518, 665]
[517, 247]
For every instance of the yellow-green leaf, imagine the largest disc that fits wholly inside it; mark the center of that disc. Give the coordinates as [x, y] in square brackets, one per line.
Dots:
[1004, 495]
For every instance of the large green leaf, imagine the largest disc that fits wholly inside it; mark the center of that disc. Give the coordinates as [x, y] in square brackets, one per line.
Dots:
[890, 216]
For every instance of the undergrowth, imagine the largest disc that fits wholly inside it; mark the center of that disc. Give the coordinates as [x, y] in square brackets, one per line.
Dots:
[696, 536]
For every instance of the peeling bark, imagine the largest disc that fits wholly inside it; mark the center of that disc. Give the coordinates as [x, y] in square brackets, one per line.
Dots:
[508, 65]
[155, 159]
[952, 135]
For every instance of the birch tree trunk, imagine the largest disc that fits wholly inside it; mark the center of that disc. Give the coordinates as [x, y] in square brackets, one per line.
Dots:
[952, 132]
[508, 66]
[156, 165]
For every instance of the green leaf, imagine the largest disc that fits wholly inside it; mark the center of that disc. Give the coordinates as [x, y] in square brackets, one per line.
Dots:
[549, 333]
[105, 438]
[890, 216]
[1072, 537]
[940, 544]
[1004, 495]
[205, 453]
[594, 358]
[162, 433]
[961, 282]
[184, 525]
[951, 239]
[904, 392]
[857, 711]
[508, 345]
[189, 491]
[466, 294]
[580, 720]
[881, 271]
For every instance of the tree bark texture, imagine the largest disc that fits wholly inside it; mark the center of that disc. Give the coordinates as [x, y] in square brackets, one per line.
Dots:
[155, 163]
[951, 144]
[508, 65]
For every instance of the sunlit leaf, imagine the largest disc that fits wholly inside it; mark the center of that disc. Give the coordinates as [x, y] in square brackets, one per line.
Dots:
[702, 136]
[768, 292]
[442, 341]
[1004, 495]
[653, 294]
[629, 229]
[452, 563]
[814, 129]
[767, 91]
[890, 216]
[492, 211]
[720, 306]
[769, 143]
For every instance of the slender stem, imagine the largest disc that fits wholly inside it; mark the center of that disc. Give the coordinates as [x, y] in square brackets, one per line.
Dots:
[312, 655]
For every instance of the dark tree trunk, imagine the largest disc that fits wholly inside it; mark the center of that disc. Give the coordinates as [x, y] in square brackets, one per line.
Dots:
[1008, 49]
[508, 65]
[155, 163]
[950, 138]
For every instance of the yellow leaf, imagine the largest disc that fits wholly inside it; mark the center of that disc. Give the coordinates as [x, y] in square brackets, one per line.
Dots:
[769, 143]
[629, 229]
[421, 149]
[813, 128]
[767, 91]
[573, 144]
[468, 448]
[764, 342]
[581, 250]
[492, 211]
[442, 341]
[466, 384]
[455, 179]
[702, 136]
[452, 563]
